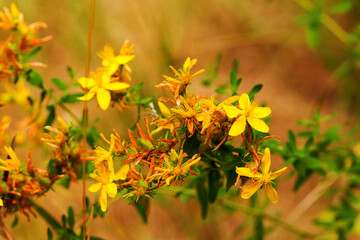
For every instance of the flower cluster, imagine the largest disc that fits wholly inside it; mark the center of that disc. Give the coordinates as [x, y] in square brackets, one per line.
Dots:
[109, 83]
[17, 49]
[148, 162]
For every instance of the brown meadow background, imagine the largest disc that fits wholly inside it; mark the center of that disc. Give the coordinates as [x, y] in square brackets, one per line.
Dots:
[266, 38]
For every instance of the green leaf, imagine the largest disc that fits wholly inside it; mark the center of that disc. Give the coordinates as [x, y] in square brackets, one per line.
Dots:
[42, 96]
[53, 223]
[341, 7]
[71, 73]
[137, 88]
[222, 91]
[49, 234]
[292, 140]
[259, 231]
[15, 222]
[203, 198]
[191, 145]
[64, 181]
[141, 209]
[332, 134]
[71, 98]
[214, 184]
[34, 78]
[235, 82]
[146, 101]
[71, 217]
[51, 116]
[313, 163]
[231, 177]
[254, 91]
[31, 54]
[60, 84]
[312, 36]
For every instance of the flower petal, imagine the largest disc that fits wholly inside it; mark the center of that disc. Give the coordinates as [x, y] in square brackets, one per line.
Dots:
[122, 173]
[230, 100]
[12, 155]
[95, 187]
[111, 189]
[112, 68]
[164, 110]
[261, 112]
[242, 171]
[249, 190]
[271, 193]
[258, 124]
[276, 174]
[115, 86]
[238, 127]
[168, 180]
[124, 59]
[103, 199]
[85, 82]
[244, 101]
[231, 111]
[266, 161]
[87, 97]
[103, 97]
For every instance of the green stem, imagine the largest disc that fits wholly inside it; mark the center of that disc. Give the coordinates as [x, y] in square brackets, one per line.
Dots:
[66, 109]
[328, 22]
[258, 212]
[53, 223]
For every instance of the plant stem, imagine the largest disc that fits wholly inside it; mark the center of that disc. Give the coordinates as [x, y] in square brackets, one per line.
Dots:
[4, 232]
[255, 212]
[328, 22]
[65, 108]
[85, 117]
[310, 199]
[258, 212]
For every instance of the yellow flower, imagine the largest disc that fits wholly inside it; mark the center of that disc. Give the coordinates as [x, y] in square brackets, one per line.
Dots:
[250, 112]
[210, 110]
[105, 177]
[260, 179]
[99, 83]
[1, 203]
[180, 169]
[12, 19]
[111, 61]
[11, 164]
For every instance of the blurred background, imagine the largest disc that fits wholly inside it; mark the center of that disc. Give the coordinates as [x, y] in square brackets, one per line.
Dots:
[302, 64]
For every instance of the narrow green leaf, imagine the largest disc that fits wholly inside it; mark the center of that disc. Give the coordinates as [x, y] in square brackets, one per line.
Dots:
[312, 36]
[49, 234]
[214, 184]
[71, 217]
[222, 90]
[231, 176]
[34, 78]
[255, 90]
[15, 222]
[60, 84]
[341, 7]
[141, 209]
[203, 198]
[71, 73]
[259, 231]
[146, 101]
[71, 98]
[53, 223]
[34, 52]
[51, 117]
